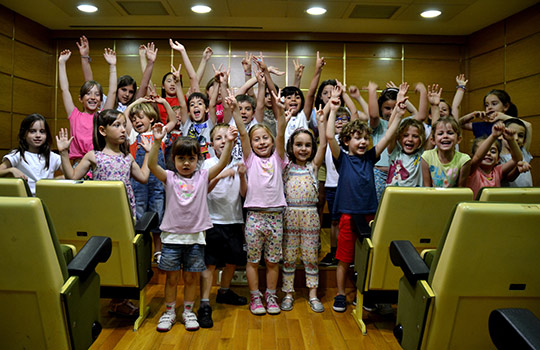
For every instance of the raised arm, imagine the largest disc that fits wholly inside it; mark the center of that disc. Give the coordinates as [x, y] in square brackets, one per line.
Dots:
[141, 173]
[515, 152]
[212, 114]
[348, 101]
[110, 57]
[84, 50]
[484, 147]
[151, 55]
[363, 114]
[458, 97]
[64, 83]
[259, 107]
[277, 107]
[230, 100]
[87, 162]
[421, 115]
[331, 127]
[395, 119]
[207, 53]
[434, 99]
[246, 89]
[193, 80]
[180, 94]
[298, 72]
[494, 116]
[310, 97]
[397, 113]
[373, 105]
[232, 133]
[321, 150]
[159, 133]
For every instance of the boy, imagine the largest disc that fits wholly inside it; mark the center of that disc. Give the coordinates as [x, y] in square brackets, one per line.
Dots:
[521, 175]
[224, 242]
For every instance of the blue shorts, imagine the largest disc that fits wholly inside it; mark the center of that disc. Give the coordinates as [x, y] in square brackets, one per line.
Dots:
[186, 257]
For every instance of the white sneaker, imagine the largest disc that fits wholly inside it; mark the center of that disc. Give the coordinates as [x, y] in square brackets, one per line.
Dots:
[189, 319]
[166, 321]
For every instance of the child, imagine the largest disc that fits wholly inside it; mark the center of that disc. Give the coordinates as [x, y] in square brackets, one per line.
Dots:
[301, 225]
[32, 160]
[265, 201]
[224, 241]
[356, 187]
[444, 166]
[185, 220]
[485, 168]
[81, 123]
[520, 176]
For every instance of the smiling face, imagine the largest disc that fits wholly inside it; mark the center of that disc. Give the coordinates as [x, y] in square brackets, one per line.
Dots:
[125, 94]
[141, 122]
[410, 140]
[197, 110]
[302, 148]
[493, 104]
[519, 133]
[341, 121]
[387, 108]
[444, 109]
[91, 100]
[491, 159]
[262, 143]
[36, 136]
[445, 137]
[358, 144]
[186, 164]
[169, 85]
[293, 101]
[246, 111]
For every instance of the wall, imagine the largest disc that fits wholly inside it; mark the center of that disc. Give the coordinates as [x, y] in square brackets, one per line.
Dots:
[506, 55]
[27, 74]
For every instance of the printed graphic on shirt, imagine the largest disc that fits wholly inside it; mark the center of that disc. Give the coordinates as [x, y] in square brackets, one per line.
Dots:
[195, 131]
[442, 179]
[267, 166]
[184, 190]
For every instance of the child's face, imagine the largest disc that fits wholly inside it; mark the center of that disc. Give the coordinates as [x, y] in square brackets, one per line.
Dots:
[445, 137]
[169, 85]
[36, 136]
[491, 159]
[410, 140]
[387, 108]
[186, 164]
[125, 94]
[293, 102]
[91, 100]
[141, 122]
[326, 93]
[358, 144]
[197, 110]
[341, 121]
[519, 135]
[262, 143]
[493, 104]
[116, 132]
[246, 111]
[267, 99]
[219, 139]
[444, 110]
[302, 148]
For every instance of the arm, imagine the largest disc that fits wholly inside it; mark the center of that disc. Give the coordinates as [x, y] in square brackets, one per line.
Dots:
[64, 84]
[259, 107]
[244, 137]
[310, 97]
[321, 150]
[331, 128]
[171, 116]
[423, 103]
[347, 99]
[426, 174]
[501, 116]
[212, 114]
[485, 146]
[222, 175]
[373, 105]
[241, 170]
[87, 162]
[159, 133]
[515, 152]
[246, 66]
[207, 53]
[193, 80]
[464, 174]
[151, 55]
[84, 50]
[247, 88]
[434, 99]
[354, 92]
[298, 72]
[277, 107]
[395, 119]
[7, 170]
[466, 121]
[110, 57]
[180, 94]
[232, 133]
[458, 97]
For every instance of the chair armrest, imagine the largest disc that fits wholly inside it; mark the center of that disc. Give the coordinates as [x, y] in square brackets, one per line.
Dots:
[97, 249]
[148, 221]
[404, 255]
[360, 227]
[514, 329]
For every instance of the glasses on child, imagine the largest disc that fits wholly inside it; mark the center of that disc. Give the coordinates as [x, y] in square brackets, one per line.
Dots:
[343, 118]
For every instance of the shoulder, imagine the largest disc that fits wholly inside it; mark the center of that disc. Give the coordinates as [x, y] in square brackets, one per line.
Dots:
[462, 157]
[13, 157]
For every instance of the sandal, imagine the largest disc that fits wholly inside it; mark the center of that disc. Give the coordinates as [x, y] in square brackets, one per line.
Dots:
[124, 308]
[316, 305]
[287, 303]
[157, 257]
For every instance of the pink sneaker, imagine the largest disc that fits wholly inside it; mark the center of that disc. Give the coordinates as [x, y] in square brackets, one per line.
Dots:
[255, 306]
[272, 306]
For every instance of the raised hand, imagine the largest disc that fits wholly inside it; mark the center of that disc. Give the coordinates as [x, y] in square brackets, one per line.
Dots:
[176, 72]
[508, 134]
[246, 63]
[320, 115]
[259, 61]
[288, 115]
[110, 56]
[232, 133]
[354, 92]
[207, 53]
[523, 166]
[145, 144]
[434, 94]
[231, 100]
[175, 45]
[461, 81]
[497, 129]
[391, 84]
[241, 169]
[278, 99]
[403, 89]
[372, 86]
[275, 71]
[62, 140]
[334, 103]
[298, 68]
[151, 91]
[336, 91]
[142, 50]
[159, 131]
[151, 52]
[320, 63]
[84, 46]
[64, 56]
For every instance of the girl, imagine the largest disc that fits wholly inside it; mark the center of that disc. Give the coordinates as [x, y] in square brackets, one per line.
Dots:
[183, 236]
[80, 123]
[32, 160]
[301, 226]
[265, 160]
[444, 166]
[485, 168]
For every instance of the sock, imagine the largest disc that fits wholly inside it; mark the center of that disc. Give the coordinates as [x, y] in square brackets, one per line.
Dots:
[205, 302]
[223, 290]
[271, 291]
[188, 306]
[255, 293]
[170, 307]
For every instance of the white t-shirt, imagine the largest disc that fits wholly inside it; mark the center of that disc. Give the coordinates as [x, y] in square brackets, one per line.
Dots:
[298, 121]
[33, 166]
[332, 175]
[523, 179]
[237, 154]
[405, 169]
[224, 201]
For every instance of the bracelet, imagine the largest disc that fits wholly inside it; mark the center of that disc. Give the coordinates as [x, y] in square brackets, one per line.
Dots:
[247, 73]
[89, 59]
[461, 87]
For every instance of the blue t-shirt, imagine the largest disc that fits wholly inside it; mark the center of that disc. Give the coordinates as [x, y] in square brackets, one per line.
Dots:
[355, 192]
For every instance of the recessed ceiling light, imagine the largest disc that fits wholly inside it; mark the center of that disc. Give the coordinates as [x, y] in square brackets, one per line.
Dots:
[201, 9]
[87, 8]
[316, 11]
[431, 13]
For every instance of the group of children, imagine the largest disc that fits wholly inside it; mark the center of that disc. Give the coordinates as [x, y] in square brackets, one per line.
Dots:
[235, 178]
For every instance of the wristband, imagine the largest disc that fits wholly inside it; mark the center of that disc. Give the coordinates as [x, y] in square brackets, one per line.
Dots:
[89, 59]
[461, 87]
[247, 73]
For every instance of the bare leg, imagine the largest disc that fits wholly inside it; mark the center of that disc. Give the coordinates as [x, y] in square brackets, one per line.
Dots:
[170, 286]
[253, 276]
[227, 275]
[272, 274]
[207, 277]
[341, 272]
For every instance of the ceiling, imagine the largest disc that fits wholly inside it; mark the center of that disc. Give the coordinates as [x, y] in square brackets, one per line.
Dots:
[459, 17]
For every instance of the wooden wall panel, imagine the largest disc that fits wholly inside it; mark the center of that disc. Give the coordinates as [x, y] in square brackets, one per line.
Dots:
[6, 53]
[15, 126]
[5, 131]
[524, 94]
[268, 48]
[6, 21]
[523, 57]
[432, 71]
[523, 24]
[368, 50]
[5, 92]
[445, 52]
[487, 39]
[326, 49]
[33, 64]
[30, 97]
[361, 71]
[32, 33]
[487, 69]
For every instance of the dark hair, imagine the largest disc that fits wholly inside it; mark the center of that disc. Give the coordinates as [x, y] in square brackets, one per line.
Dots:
[105, 118]
[406, 123]
[45, 148]
[517, 121]
[198, 95]
[343, 111]
[210, 83]
[477, 141]
[247, 98]
[388, 94]
[318, 99]
[290, 144]
[163, 92]
[125, 80]
[505, 100]
[88, 85]
[448, 104]
[186, 146]
[293, 90]
[356, 126]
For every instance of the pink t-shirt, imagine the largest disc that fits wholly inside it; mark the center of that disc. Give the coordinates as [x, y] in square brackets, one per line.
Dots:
[186, 209]
[265, 183]
[479, 179]
[81, 126]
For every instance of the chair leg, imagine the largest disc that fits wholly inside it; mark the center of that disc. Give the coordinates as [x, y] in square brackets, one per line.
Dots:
[357, 312]
[144, 309]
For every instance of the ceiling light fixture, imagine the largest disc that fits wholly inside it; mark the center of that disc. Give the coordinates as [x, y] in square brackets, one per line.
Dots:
[316, 11]
[87, 8]
[201, 9]
[431, 13]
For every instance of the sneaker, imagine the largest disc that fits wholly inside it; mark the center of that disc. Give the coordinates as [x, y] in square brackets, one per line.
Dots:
[272, 306]
[384, 309]
[166, 321]
[316, 305]
[287, 303]
[157, 257]
[255, 306]
[189, 319]
[340, 303]
[230, 297]
[205, 316]
[328, 260]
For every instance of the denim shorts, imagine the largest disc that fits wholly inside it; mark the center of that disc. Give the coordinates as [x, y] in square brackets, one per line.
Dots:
[330, 198]
[186, 257]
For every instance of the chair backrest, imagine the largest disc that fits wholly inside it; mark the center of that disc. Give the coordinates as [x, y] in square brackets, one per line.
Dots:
[417, 214]
[13, 187]
[82, 209]
[32, 314]
[488, 259]
[510, 194]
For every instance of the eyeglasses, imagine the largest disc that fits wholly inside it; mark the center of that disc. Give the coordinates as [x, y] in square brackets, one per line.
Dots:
[343, 118]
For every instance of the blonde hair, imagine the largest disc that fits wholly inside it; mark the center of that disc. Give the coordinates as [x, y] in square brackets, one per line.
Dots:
[406, 123]
[446, 120]
[261, 126]
[147, 108]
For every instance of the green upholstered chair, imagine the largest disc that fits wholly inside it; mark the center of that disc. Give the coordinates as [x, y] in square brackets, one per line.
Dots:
[487, 259]
[510, 194]
[417, 214]
[47, 303]
[13, 187]
[82, 209]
